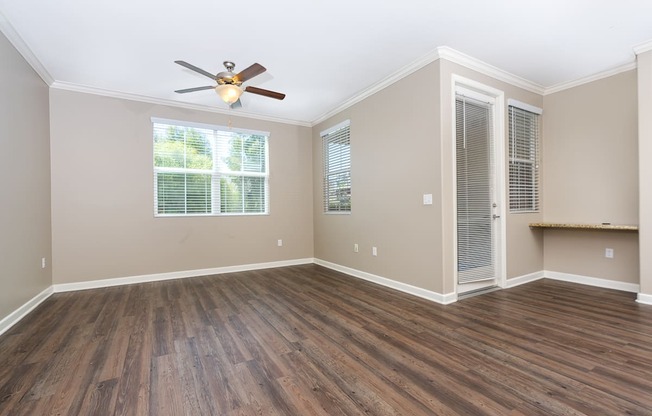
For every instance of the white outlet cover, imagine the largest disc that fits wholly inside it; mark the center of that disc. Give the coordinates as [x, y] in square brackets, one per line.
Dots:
[427, 199]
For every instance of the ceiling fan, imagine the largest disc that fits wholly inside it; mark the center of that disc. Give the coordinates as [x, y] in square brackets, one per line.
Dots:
[229, 84]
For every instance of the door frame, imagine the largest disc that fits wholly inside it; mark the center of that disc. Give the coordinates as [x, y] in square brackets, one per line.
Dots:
[498, 115]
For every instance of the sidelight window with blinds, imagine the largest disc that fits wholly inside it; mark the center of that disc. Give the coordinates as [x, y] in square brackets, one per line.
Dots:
[208, 170]
[523, 158]
[336, 143]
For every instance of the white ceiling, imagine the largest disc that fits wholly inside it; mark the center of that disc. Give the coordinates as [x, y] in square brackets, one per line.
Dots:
[321, 53]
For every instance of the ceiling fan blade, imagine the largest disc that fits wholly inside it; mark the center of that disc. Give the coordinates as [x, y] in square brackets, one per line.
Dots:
[237, 104]
[248, 73]
[207, 87]
[194, 68]
[266, 93]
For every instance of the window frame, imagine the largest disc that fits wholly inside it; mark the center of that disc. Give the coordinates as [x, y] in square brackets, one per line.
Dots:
[524, 197]
[328, 136]
[216, 172]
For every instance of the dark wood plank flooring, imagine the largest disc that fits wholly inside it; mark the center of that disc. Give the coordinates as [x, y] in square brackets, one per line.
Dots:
[306, 340]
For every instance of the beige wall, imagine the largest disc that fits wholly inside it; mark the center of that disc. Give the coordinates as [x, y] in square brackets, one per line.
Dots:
[25, 166]
[582, 253]
[591, 176]
[395, 160]
[645, 170]
[401, 144]
[102, 196]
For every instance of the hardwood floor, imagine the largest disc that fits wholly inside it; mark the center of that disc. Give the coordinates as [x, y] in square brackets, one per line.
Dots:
[305, 340]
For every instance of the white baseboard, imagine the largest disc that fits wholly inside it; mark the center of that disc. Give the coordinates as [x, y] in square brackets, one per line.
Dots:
[13, 318]
[156, 277]
[443, 299]
[592, 281]
[644, 299]
[521, 280]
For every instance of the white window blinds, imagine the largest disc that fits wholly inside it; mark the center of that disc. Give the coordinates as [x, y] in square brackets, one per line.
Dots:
[523, 160]
[199, 170]
[475, 162]
[337, 168]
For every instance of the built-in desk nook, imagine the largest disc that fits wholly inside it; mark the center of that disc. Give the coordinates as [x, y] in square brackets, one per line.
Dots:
[598, 227]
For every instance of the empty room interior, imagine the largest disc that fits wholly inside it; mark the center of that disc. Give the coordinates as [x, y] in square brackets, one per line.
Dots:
[341, 208]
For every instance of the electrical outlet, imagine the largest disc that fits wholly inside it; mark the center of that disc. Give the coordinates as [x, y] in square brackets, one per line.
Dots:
[609, 253]
[42, 262]
[374, 251]
[356, 248]
[279, 243]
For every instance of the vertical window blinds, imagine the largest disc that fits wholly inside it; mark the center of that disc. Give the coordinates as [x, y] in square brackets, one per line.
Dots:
[523, 160]
[474, 159]
[207, 171]
[337, 168]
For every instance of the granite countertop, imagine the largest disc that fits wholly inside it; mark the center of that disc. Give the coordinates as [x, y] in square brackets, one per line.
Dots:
[603, 226]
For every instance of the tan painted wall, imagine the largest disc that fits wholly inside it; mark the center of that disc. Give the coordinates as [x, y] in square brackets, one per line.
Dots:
[25, 165]
[395, 160]
[591, 176]
[645, 168]
[582, 253]
[401, 140]
[102, 196]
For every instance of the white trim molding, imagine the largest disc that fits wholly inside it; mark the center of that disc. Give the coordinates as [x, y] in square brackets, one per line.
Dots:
[157, 277]
[450, 54]
[24, 50]
[13, 318]
[521, 280]
[643, 47]
[643, 298]
[524, 106]
[592, 281]
[443, 299]
[10, 320]
[67, 86]
[380, 85]
[585, 80]
[442, 52]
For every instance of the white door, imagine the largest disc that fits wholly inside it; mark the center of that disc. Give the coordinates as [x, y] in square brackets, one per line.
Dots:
[477, 213]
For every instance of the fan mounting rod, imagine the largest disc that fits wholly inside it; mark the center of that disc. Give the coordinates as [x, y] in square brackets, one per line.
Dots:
[229, 66]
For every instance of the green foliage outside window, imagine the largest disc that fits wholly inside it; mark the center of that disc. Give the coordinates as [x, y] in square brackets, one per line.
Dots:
[188, 173]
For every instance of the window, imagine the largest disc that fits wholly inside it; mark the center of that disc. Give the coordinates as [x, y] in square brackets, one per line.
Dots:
[337, 168]
[208, 170]
[523, 157]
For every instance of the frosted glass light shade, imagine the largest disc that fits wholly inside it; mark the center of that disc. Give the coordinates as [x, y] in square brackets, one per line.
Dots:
[228, 93]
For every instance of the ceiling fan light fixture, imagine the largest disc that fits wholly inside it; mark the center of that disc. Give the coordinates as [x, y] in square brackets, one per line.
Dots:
[229, 93]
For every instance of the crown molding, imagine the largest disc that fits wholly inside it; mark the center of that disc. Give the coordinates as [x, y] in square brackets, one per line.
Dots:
[643, 47]
[14, 38]
[452, 55]
[67, 86]
[442, 52]
[590, 78]
[380, 85]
